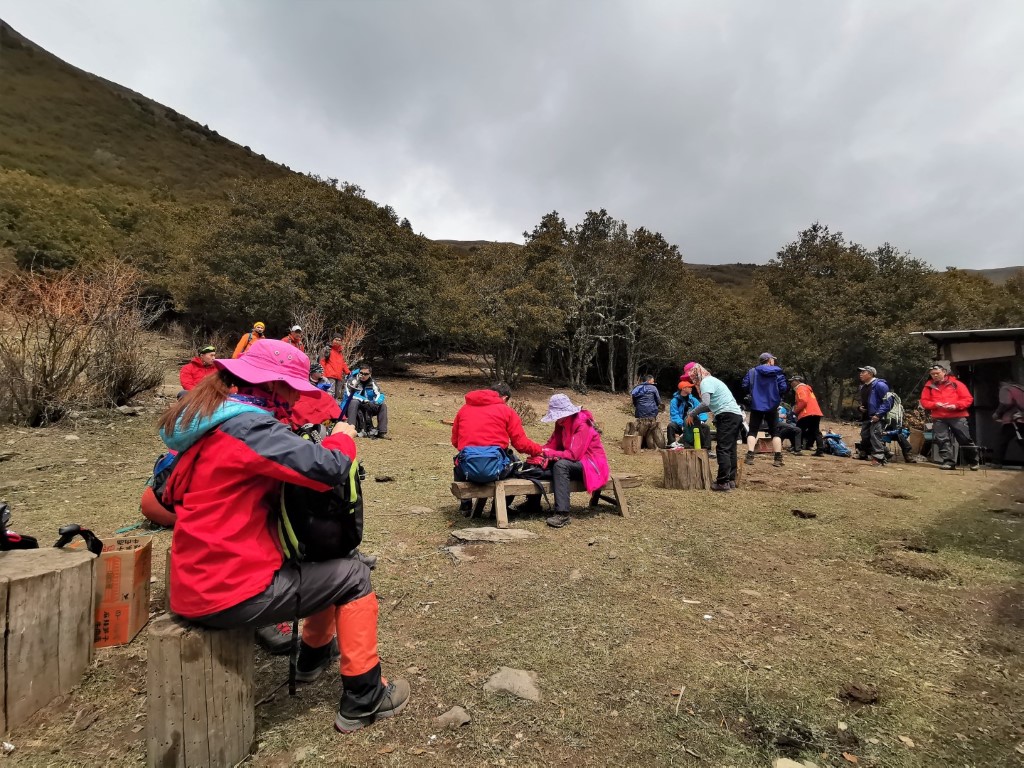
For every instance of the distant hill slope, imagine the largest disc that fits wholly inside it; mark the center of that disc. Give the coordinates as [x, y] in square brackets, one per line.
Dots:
[68, 126]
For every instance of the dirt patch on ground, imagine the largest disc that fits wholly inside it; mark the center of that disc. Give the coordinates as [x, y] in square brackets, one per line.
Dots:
[753, 617]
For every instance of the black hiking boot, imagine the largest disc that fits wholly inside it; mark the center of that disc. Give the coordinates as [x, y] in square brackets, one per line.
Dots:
[396, 696]
[313, 661]
[276, 638]
[558, 520]
[778, 460]
[750, 458]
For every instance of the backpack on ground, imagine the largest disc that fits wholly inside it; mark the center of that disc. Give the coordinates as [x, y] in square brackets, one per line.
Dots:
[893, 419]
[321, 525]
[834, 445]
[483, 464]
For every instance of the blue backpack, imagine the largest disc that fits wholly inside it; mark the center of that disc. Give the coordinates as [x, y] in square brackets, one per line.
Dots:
[834, 444]
[483, 464]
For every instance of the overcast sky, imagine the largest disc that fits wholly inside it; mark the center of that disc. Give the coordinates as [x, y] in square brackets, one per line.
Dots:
[726, 126]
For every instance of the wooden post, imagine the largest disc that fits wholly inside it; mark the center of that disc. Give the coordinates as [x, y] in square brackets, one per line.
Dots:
[631, 444]
[620, 496]
[47, 608]
[687, 469]
[201, 701]
[500, 510]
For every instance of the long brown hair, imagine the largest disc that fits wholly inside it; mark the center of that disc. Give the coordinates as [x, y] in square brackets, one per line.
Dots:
[199, 402]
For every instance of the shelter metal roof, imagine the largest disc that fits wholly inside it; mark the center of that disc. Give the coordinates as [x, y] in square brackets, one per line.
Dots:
[989, 334]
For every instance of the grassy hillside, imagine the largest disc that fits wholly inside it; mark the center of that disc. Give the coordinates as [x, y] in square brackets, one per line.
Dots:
[69, 126]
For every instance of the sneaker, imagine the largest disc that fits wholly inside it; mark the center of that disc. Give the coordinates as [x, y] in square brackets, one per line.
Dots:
[275, 638]
[312, 662]
[878, 462]
[975, 467]
[373, 433]
[797, 452]
[726, 486]
[948, 466]
[360, 434]
[675, 444]
[558, 521]
[396, 696]
[750, 458]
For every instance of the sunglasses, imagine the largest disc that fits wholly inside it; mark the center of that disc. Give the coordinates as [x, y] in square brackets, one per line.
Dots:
[365, 375]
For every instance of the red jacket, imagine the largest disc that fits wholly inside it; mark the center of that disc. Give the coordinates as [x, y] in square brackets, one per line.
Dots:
[193, 372]
[299, 345]
[485, 420]
[950, 390]
[334, 364]
[223, 489]
[313, 408]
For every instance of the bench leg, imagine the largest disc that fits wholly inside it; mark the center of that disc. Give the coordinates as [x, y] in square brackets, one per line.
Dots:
[500, 509]
[620, 497]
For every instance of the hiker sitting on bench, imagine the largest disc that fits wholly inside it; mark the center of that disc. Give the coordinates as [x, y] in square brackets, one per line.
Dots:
[577, 451]
[227, 569]
[481, 432]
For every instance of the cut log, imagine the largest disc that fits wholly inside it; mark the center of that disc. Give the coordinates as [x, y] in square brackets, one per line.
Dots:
[201, 703]
[631, 444]
[687, 469]
[46, 603]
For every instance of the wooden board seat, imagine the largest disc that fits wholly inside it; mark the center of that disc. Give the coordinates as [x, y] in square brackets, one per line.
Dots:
[617, 484]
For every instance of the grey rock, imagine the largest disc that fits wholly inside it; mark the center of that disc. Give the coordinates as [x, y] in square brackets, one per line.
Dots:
[521, 683]
[493, 534]
[456, 717]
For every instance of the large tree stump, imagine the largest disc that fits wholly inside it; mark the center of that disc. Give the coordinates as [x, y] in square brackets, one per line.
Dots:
[201, 707]
[687, 469]
[46, 627]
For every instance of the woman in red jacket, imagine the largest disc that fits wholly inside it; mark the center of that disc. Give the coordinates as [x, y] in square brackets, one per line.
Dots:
[947, 399]
[227, 568]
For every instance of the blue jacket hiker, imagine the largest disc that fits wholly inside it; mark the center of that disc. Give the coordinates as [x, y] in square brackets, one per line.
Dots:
[766, 385]
[646, 399]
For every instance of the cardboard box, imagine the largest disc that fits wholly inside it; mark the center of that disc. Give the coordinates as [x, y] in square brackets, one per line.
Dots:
[122, 589]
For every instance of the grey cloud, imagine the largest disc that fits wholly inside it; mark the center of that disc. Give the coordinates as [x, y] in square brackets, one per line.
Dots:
[726, 126]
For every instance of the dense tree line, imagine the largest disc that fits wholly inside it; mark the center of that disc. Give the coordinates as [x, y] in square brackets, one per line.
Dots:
[594, 303]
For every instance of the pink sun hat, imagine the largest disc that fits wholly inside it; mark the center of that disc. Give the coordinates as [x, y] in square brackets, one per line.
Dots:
[269, 360]
[687, 368]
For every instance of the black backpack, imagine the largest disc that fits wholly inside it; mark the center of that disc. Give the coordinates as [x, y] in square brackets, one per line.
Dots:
[321, 525]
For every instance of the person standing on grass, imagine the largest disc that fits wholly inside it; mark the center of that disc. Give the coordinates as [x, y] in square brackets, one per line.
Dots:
[947, 399]
[1010, 415]
[646, 404]
[766, 383]
[575, 445]
[294, 338]
[808, 416]
[336, 370]
[198, 368]
[248, 339]
[874, 405]
[227, 569]
[716, 398]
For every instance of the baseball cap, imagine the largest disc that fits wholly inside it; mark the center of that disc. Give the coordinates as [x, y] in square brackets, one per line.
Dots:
[295, 328]
[870, 369]
[766, 356]
[207, 348]
[940, 367]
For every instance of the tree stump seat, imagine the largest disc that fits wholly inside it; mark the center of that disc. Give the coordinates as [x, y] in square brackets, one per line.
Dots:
[498, 490]
[201, 702]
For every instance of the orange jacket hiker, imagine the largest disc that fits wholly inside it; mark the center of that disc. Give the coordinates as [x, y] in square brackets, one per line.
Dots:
[806, 402]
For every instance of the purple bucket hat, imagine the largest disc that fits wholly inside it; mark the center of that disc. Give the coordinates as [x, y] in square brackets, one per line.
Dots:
[268, 360]
[559, 406]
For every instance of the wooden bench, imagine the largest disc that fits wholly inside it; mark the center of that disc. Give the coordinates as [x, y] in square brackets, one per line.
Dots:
[462, 490]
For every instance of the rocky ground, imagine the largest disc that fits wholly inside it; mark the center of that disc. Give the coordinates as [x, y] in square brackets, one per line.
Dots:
[881, 626]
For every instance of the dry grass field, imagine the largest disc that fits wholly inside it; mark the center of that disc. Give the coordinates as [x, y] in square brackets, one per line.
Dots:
[706, 630]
